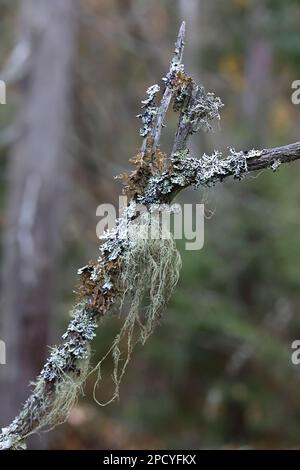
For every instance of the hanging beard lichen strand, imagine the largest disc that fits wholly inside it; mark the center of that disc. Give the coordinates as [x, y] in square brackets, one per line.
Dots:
[149, 271]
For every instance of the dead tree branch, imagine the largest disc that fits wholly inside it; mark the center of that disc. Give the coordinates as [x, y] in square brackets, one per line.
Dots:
[156, 179]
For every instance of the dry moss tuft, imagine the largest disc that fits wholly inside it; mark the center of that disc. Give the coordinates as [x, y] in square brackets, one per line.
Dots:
[146, 165]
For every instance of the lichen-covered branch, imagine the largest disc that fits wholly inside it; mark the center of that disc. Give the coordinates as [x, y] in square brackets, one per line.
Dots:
[153, 116]
[152, 266]
[210, 169]
[57, 386]
[170, 79]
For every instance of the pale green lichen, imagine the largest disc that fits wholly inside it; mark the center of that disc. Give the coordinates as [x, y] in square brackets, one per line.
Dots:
[150, 110]
[205, 108]
[59, 383]
[149, 272]
[189, 171]
[275, 165]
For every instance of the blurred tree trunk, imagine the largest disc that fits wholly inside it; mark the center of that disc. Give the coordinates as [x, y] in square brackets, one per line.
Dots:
[258, 75]
[38, 175]
[192, 12]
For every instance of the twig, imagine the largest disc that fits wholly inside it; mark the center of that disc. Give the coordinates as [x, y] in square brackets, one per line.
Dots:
[155, 125]
[175, 67]
[208, 170]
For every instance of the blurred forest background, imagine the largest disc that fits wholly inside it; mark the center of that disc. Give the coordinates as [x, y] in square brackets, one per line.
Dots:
[217, 373]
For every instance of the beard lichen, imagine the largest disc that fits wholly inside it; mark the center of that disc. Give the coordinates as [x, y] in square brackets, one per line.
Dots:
[67, 391]
[58, 384]
[149, 272]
